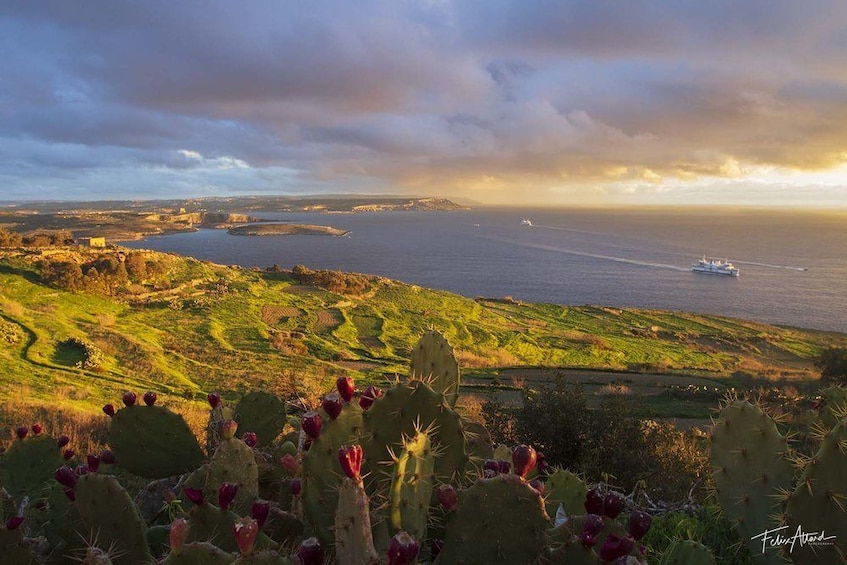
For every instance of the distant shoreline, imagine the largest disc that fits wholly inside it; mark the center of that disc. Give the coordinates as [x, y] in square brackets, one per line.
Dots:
[264, 230]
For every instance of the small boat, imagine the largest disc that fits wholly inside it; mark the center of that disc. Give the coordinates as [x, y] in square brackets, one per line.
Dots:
[715, 267]
[526, 222]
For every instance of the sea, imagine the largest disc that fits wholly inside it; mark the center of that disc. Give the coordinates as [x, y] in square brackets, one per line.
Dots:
[793, 264]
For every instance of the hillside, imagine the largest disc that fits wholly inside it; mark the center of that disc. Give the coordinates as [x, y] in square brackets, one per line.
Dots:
[180, 326]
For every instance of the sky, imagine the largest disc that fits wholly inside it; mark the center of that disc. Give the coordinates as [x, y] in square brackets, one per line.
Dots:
[654, 102]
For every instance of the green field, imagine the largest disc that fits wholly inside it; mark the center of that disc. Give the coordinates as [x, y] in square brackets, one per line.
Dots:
[210, 327]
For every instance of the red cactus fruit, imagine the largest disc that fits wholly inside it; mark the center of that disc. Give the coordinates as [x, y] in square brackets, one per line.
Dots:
[613, 504]
[245, 530]
[615, 547]
[350, 458]
[587, 540]
[402, 549]
[107, 457]
[109, 410]
[448, 497]
[195, 495]
[129, 399]
[150, 398]
[213, 398]
[594, 501]
[65, 477]
[310, 552]
[21, 432]
[260, 511]
[639, 524]
[178, 534]
[345, 388]
[14, 522]
[228, 429]
[250, 439]
[367, 399]
[63, 441]
[69, 492]
[296, 487]
[524, 459]
[226, 494]
[68, 454]
[332, 405]
[93, 462]
[36, 429]
[593, 524]
[312, 424]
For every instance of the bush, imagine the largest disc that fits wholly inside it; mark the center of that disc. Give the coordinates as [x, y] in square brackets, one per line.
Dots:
[92, 357]
[10, 333]
[833, 366]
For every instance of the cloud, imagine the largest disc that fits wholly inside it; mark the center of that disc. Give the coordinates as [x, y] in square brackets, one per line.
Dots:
[499, 100]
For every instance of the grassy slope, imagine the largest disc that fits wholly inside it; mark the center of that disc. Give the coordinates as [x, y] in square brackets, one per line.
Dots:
[206, 340]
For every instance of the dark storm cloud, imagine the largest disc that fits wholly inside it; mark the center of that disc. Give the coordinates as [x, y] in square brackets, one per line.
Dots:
[471, 97]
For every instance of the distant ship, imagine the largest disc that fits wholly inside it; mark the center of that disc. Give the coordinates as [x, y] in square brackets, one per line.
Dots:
[526, 222]
[715, 267]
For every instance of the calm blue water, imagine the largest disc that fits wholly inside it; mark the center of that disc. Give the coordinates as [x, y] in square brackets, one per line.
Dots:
[637, 258]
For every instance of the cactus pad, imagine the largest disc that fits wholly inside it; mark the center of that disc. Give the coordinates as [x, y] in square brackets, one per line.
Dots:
[234, 462]
[263, 414]
[153, 442]
[565, 488]
[687, 552]
[28, 465]
[411, 487]
[498, 520]
[354, 543]
[433, 361]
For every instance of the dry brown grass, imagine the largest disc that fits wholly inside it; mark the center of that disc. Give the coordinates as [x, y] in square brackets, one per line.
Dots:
[86, 431]
[487, 359]
[10, 307]
[273, 314]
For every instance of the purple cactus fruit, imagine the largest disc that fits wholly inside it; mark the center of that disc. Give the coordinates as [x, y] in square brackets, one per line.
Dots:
[593, 524]
[14, 522]
[250, 439]
[345, 388]
[260, 511]
[615, 547]
[490, 465]
[81, 470]
[178, 534]
[65, 477]
[367, 399]
[448, 497]
[21, 432]
[503, 467]
[296, 487]
[587, 540]
[639, 524]
[107, 457]
[613, 504]
[524, 459]
[36, 429]
[312, 424]
[109, 410]
[213, 398]
[350, 458]
[332, 405]
[129, 399]
[226, 494]
[402, 549]
[594, 501]
[149, 398]
[245, 530]
[63, 441]
[195, 495]
[310, 552]
[537, 485]
[93, 462]
[228, 429]
[68, 454]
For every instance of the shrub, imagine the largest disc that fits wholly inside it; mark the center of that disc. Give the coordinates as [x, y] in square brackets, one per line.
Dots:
[833, 366]
[10, 333]
[92, 357]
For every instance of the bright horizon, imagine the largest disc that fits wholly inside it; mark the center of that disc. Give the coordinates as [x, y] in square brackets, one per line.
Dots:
[504, 103]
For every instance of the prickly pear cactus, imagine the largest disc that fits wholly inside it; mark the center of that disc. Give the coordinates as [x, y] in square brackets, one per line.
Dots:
[819, 503]
[217, 416]
[433, 361]
[209, 523]
[411, 487]
[110, 518]
[322, 472]
[834, 406]
[13, 549]
[263, 414]
[234, 462]
[565, 489]
[478, 442]
[153, 442]
[687, 552]
[28, 464]
[750, 469]
[403, 410]
[199, 553]
[498, 520]
[354, 543]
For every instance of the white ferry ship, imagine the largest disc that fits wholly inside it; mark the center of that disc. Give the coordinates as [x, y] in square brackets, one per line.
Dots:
[715, 267]
[526, 222]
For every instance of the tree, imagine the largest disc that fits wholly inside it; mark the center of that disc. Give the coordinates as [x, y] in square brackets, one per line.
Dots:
[833, 366]
[9, 239]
